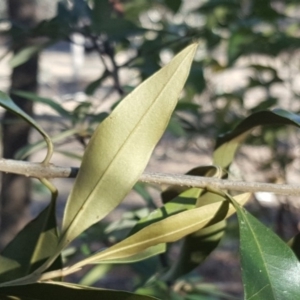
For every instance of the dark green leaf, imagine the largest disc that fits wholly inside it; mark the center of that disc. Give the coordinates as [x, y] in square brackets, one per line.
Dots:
[270, 269]
[238, 42]
[197, 246]
[104, 22]
[175, 190]
[174, 5]
[265, 104]
[66, 291]
[141, 189]
[31, 247]
[98, 118]
[213, 4]
[196, 78]
[295, 245]
[91, 88]
[187, 106]
[195, 249]
[8, 104]
[228, 143]
[101, 14]
[175, 127]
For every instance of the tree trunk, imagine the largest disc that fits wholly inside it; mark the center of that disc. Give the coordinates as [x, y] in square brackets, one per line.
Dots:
[15, 192]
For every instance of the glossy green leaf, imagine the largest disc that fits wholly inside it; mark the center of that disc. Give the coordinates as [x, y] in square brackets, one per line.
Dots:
[270, 270]
[8, 104]
[168, 230]
[31, 247]
[228, 143]
[51, 103]
[121, 146]
[66, 291]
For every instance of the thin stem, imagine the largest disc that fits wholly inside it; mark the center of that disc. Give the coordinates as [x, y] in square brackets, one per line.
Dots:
[109, 50]
[38, 170]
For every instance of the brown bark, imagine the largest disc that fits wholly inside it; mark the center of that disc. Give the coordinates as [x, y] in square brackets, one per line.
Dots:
[15, 192]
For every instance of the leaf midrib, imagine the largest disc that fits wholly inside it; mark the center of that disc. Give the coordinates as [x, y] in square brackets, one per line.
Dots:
[145, 242]
[131, 133]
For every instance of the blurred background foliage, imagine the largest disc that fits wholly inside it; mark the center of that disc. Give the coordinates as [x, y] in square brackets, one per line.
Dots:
[249, 40]
[248, 60]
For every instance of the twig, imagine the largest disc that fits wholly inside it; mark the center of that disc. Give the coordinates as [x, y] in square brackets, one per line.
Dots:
[109, 50]
[37, 170]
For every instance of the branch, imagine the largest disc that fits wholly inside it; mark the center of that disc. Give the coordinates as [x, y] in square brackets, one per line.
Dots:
[38, 170]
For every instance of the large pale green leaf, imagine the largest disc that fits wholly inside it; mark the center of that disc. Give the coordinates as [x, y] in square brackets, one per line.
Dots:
[121, 146]
[228, 143]
[149, 252]
[8, 104]
[31, 247]
[270, 269]
[168, 230]
[99, 271]
[65, 291]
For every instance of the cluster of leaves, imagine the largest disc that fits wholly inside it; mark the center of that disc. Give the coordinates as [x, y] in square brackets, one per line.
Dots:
[229, 27]
[112, 158]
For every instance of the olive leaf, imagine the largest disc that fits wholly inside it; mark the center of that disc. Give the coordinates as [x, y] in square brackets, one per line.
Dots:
[121, 146]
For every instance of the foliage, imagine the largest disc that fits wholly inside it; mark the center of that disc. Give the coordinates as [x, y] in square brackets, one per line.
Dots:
[193, 213]
[230, 35]
[258, 38]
